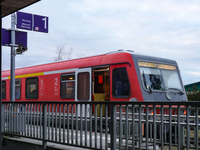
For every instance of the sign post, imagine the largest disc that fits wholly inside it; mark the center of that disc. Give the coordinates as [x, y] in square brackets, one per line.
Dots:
[12, 64]
[19, 39]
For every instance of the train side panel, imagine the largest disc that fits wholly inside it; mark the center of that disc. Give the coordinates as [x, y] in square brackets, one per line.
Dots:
[133, 83]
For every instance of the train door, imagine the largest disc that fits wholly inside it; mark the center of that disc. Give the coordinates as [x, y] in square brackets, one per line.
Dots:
[101, 86]
[83, 89]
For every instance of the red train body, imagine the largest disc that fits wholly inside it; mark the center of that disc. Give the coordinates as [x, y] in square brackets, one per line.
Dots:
[116, 76]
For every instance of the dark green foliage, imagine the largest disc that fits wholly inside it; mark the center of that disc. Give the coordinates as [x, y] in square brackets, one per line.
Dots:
[194, 94]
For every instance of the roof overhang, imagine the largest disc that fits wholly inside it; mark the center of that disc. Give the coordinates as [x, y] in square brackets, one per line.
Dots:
[10, 6]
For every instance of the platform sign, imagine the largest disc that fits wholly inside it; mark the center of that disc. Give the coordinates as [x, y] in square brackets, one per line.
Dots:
[32, 22]
[24, 21]
[20, 38]
[6, 37]
[40, 23]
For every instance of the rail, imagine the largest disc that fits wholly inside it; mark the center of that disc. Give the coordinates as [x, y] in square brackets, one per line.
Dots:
[106, 125]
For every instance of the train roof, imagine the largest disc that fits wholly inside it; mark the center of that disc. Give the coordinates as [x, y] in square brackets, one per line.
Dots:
[103, 59]
[143, 56]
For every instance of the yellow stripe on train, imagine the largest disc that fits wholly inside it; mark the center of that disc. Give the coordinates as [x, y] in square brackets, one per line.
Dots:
[29, 75]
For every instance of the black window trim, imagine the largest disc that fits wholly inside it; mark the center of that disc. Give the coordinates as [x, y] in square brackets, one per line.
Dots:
[5, 89]
[37, 88]
[127, 96]
[71, 73]
[20, 88]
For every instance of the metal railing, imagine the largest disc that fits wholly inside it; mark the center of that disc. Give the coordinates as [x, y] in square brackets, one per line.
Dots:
[106, 125]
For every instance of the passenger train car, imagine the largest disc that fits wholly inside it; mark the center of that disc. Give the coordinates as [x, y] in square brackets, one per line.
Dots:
[114, 76]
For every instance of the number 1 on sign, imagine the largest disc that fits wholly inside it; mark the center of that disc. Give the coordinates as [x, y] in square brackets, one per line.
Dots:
[45, 22]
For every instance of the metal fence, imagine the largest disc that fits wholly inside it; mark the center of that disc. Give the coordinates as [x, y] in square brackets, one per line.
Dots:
[106, 125]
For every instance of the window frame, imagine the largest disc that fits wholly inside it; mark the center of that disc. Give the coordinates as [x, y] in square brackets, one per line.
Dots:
[19, 88]
[36, 87]
[113, 90]
[5, 89]
[86, 96]
[67, 81]
[172, 67]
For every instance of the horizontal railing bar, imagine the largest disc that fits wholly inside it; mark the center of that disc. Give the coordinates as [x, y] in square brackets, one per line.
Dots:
[161, 103]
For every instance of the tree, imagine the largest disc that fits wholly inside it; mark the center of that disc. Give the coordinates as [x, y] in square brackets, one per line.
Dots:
[62, 54]
[189, 94]
[198, 96]
[194, 94]
[80, 55]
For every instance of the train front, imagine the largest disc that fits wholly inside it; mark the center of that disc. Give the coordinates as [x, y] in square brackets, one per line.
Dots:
[159, 79]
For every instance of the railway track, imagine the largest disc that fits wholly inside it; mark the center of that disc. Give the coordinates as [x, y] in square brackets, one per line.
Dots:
[192, 140]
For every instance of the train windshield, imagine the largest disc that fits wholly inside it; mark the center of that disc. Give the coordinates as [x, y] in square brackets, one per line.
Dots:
[160, 77]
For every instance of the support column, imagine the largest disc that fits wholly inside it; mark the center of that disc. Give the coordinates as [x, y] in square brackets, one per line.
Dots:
[1, 147]
[12, 64]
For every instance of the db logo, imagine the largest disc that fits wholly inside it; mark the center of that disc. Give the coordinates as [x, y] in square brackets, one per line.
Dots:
[36, 28]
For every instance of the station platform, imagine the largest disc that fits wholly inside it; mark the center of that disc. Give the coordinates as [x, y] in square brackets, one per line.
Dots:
[12, 143]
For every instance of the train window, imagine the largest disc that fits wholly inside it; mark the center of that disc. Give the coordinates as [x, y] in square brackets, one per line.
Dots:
[32, 88]
[67, 86]
[83, 89]
[120, 83]
[17, 89]
[160, 77]
[3, 91]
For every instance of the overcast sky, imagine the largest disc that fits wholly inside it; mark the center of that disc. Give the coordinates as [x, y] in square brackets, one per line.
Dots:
[169, 29]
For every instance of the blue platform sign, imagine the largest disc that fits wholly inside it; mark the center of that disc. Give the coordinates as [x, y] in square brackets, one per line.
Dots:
[32, 22]
[24, 21]
[6, 37]
[20, 38]
[40, 23]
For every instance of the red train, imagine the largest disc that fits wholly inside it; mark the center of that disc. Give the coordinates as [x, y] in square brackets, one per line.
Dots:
[115, 76]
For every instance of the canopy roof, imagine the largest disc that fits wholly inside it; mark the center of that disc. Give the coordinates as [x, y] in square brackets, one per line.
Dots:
[10, 6]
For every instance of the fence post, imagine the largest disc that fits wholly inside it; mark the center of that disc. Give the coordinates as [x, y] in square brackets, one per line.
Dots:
[44, 142]
[113, 127]
[2, 118]
[2, 124]
[181, 136]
